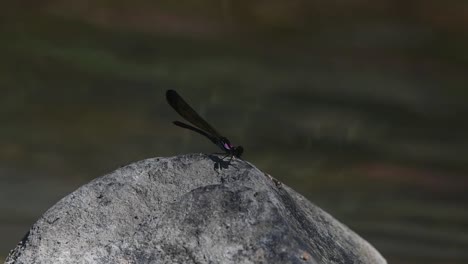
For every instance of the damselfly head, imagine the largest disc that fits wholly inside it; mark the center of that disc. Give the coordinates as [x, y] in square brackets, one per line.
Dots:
[237, 151]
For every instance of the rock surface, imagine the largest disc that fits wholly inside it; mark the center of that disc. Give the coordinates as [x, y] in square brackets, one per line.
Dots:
[185, 209]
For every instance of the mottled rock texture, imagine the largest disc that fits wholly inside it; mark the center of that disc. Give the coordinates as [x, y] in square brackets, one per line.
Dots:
[189, 209]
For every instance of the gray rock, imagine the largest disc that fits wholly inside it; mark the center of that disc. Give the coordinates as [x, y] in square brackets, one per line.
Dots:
[185, 209]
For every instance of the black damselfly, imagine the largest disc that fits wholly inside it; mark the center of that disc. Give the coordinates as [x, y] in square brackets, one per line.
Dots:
[201, 126]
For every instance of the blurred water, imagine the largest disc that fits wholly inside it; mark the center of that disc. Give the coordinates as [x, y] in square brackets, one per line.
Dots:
[366, 120]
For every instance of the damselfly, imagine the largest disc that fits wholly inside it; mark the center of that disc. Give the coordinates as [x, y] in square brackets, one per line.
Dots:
[201, 126]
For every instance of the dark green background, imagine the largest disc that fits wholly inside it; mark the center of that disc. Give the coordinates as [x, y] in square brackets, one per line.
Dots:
[361, 106]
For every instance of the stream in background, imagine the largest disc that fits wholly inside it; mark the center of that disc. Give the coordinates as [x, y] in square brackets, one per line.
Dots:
[362, 108]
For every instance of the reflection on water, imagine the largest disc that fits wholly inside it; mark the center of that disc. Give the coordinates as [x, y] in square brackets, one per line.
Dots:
[373, 132]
